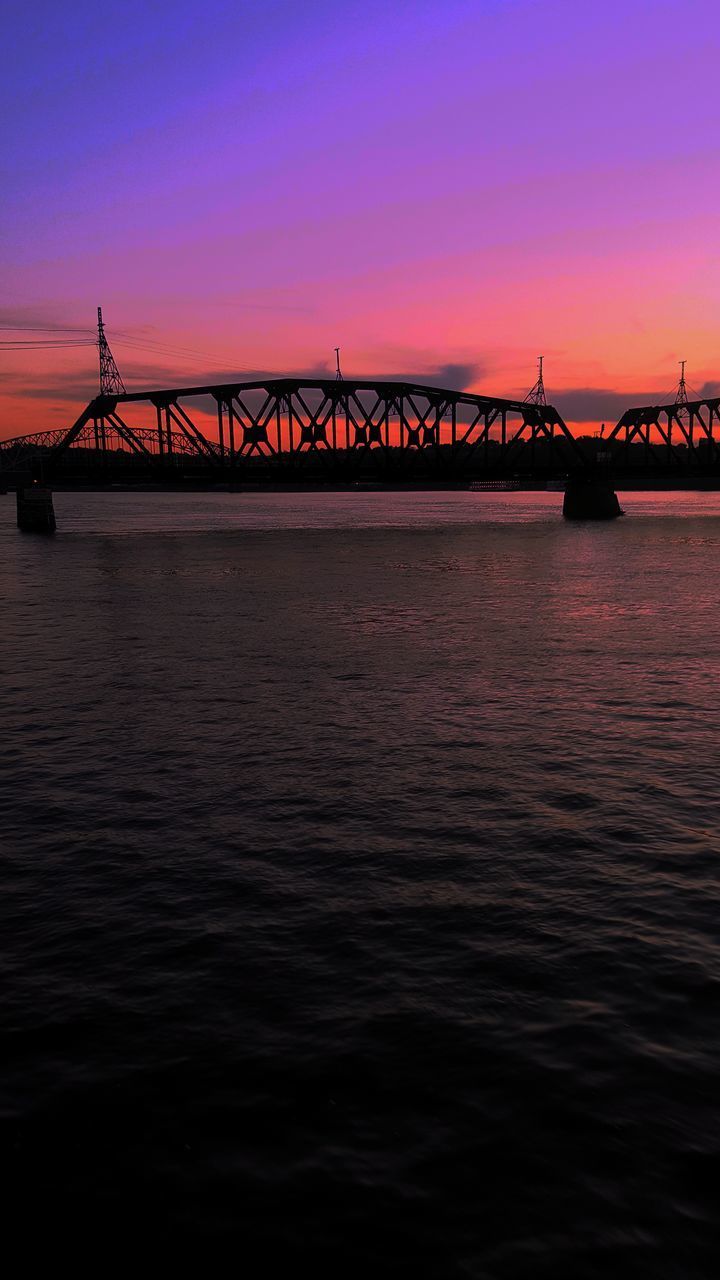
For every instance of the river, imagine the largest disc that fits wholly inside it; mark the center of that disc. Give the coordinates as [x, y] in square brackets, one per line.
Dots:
[360, 880]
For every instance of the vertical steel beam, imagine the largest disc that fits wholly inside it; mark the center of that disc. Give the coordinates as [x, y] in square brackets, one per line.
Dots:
[231, 430]
[278, 424]
[221, 431]
[291, 434]
[158, 414]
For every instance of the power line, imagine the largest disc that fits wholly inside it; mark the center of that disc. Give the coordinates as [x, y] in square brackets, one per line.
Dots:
[48, 342]
[41, 346]
[123, 338]
[162, 348]
[36, 328]
[226, 363]
[122, 335]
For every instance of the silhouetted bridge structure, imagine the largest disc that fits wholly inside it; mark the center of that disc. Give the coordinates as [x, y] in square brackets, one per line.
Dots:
[289, 430]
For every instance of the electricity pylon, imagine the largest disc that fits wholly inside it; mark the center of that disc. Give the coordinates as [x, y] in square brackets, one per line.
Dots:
[111, 384]
[536, 394]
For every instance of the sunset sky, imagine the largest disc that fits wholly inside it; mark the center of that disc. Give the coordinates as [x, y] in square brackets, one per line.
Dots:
[445, 188]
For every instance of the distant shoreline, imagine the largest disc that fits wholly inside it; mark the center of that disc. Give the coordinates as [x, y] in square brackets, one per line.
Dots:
[625, 485]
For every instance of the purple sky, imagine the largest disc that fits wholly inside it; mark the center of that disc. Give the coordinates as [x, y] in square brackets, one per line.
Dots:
[430, 185]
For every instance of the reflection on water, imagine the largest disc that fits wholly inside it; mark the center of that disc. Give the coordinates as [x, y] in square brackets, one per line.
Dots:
[194, 512]
[360, 878]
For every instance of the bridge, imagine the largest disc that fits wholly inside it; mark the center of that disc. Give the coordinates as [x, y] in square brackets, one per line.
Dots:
[295, 428]
[289, 430]
[681, 436]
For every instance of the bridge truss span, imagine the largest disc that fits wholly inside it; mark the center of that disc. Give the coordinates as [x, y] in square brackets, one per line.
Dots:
[680, 435]
[314, 426]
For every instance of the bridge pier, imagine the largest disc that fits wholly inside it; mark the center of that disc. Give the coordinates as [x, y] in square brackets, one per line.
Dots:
[35, 511]
[590, 496]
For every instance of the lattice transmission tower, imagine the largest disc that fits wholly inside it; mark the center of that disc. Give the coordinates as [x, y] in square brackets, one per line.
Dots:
[111, 384]
[681, 395]
[536, 394]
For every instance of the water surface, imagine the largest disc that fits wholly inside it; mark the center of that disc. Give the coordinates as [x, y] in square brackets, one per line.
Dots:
[360, 882]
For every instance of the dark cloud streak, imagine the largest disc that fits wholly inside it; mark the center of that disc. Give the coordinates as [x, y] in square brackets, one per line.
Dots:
[597, 404]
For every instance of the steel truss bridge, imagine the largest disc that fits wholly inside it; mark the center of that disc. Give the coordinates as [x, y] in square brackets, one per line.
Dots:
[295, 429]
[683, 434]
[296, 426]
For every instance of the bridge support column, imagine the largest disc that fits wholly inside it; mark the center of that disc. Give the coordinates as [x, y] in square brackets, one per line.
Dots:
[590, 496]
[35, 511]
